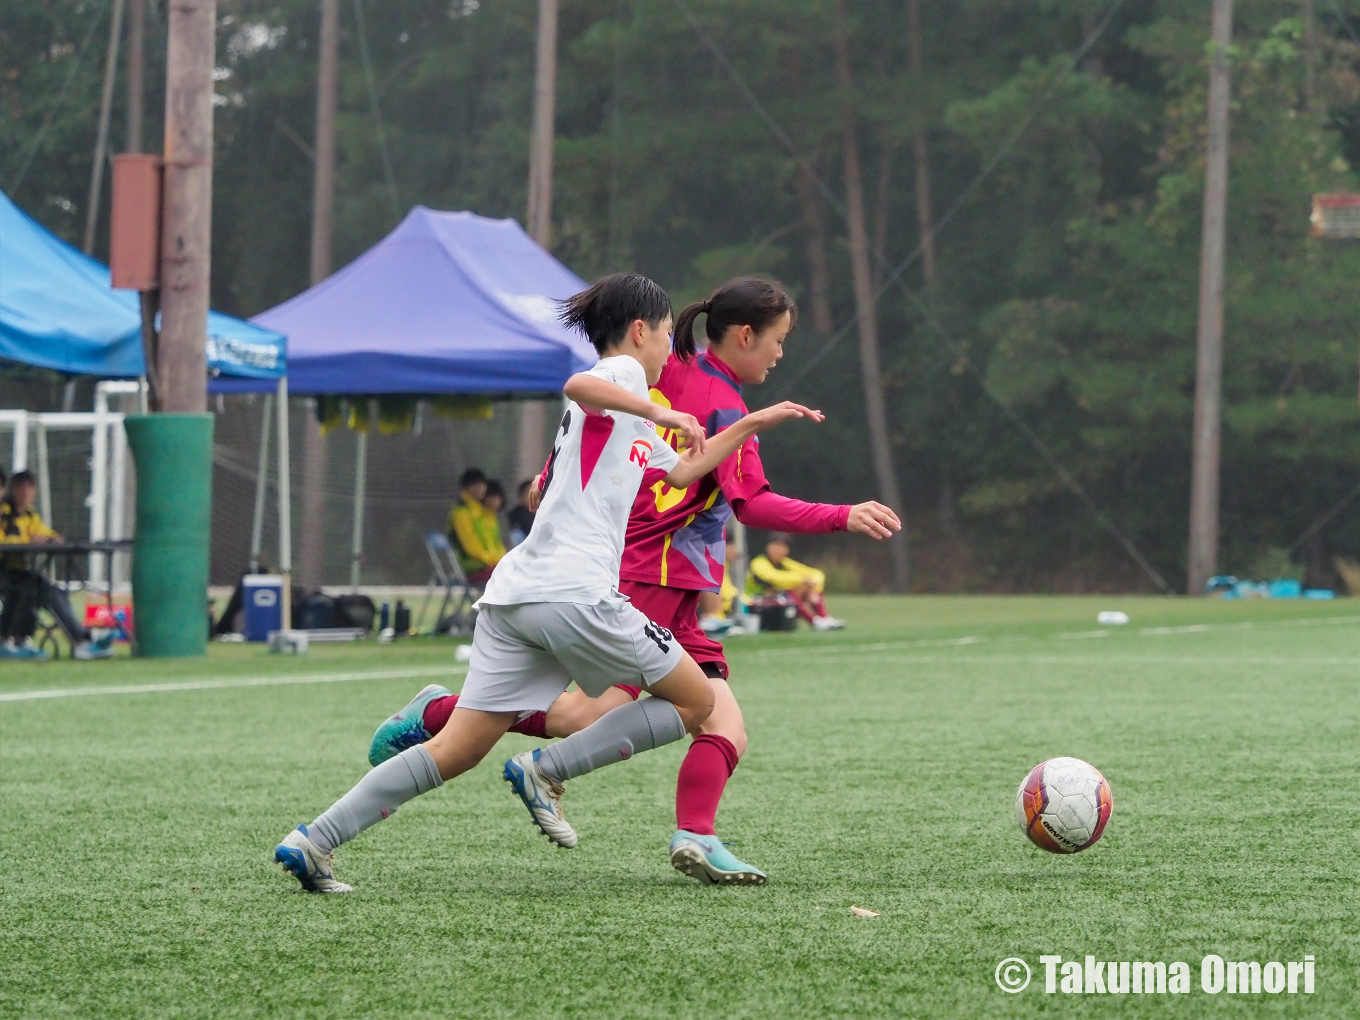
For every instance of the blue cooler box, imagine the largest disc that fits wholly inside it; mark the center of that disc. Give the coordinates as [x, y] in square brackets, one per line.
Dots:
[264, 605]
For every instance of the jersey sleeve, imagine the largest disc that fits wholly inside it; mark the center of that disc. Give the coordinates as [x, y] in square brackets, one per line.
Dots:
[743, 482]
[661, 463]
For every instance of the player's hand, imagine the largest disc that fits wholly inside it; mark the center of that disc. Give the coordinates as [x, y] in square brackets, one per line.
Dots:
[872, 519]
[686, 424]
[535, 496]
[769, 417]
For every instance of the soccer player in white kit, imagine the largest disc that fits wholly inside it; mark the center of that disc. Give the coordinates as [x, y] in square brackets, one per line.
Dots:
[551, 613]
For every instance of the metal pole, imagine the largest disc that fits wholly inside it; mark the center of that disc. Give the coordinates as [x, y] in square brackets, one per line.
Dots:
[356, 545]
[532, 413]
[187, 210]
[99, 482]
[136, 64]
[261, 483]
[101, 138]
[285, 505]
[18, 460]
[44, 473]
[118, 498]
[1204, 477]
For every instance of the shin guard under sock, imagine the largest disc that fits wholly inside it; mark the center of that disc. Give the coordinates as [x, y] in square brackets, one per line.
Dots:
[703, 777]
[615, 736]
[376, 796]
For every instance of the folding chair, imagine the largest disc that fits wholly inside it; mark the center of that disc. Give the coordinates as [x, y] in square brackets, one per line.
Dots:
[455, 614]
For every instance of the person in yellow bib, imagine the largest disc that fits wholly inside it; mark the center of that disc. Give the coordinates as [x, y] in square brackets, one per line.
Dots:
[776, 571]
[475, 529]
[23, 592]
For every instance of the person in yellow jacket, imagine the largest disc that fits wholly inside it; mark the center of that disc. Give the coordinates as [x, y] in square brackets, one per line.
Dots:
[777, 571]
[475, 528]
[25, 592]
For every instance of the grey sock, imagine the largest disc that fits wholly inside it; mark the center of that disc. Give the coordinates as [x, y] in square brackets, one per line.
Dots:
[375, 797]
[616, 736]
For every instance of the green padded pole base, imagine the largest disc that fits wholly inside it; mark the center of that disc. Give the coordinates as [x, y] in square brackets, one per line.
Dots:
[174, 524]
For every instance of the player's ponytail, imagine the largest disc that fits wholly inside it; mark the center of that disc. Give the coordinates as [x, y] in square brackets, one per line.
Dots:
[744, 301]
[605, 310]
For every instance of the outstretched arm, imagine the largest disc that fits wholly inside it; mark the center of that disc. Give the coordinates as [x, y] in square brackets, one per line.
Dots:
[596, 394]
[694, 464]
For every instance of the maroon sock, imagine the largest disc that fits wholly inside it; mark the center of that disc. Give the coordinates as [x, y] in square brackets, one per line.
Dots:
[634, 692]
[819, 603]
[703, 777]
[437, 713]
[803, 611]
[535, 724]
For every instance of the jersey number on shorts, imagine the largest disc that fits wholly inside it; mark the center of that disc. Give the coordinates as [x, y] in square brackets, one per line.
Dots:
[660, 635]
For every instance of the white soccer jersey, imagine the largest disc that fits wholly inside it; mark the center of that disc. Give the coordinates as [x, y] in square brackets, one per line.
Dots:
[598, 461]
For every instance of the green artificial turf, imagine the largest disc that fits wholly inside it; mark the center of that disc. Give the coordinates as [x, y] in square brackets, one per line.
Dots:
[136, 830]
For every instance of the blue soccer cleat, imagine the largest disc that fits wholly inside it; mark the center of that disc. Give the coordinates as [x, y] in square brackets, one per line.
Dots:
[308, 863]
[406, 728]
[706, 859]
[542, 795]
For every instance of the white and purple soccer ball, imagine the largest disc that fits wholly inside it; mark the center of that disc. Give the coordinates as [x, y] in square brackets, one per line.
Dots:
[1063, 805]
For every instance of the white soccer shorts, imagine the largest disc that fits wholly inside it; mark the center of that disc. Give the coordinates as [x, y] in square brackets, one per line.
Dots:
[524, 656]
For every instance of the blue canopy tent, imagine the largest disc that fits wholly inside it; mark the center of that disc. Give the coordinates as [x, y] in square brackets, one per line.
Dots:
[447, 303]
[58, 311]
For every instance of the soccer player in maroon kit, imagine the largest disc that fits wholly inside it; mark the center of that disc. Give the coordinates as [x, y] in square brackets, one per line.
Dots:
[675, 550]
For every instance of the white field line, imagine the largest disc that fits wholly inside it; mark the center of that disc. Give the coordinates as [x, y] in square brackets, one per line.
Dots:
[218, 683]
[1195, 628]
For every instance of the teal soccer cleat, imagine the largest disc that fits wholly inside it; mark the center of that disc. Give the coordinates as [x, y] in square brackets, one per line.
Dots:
[705, 858]
[406, 728]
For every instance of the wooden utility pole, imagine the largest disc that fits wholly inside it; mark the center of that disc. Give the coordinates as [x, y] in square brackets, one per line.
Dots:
[101, 138]
[1204, 478]
[186, 231]
[866, 321]
[136, 74]
[311, 549]
[532, 413]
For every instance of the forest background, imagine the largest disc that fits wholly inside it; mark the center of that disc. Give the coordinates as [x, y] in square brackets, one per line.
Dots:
[1043, 342]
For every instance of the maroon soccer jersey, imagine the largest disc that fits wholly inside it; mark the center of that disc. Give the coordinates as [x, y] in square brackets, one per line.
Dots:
[675, 536]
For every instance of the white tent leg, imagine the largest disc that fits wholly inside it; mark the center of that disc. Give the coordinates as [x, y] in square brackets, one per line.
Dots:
[44, 474]
[360, 482]
[118, 502]
[285, 505]
[19, 458]
[99, 484]
[261, 483]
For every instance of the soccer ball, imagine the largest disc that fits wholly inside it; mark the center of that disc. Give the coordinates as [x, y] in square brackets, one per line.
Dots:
[1063, 805]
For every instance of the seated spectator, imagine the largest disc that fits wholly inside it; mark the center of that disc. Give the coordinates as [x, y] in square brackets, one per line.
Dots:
[474, 530]
[520, 517]
[716, 608]
[776, 571]
[25, 592]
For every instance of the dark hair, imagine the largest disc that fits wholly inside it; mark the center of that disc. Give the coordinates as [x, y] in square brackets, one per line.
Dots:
[745, 301]
[782, 537]
[606, 310]
[22, 478]
[471, 477]
[494, 488]
[519, 489]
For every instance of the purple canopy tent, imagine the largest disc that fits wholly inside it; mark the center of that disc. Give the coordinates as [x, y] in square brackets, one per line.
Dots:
[448, 303]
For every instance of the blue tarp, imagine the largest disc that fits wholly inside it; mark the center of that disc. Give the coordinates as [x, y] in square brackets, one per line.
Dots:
[446, 303]
[58, 311]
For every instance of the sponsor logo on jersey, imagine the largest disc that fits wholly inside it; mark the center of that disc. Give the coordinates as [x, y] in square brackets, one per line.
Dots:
[641, 453]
